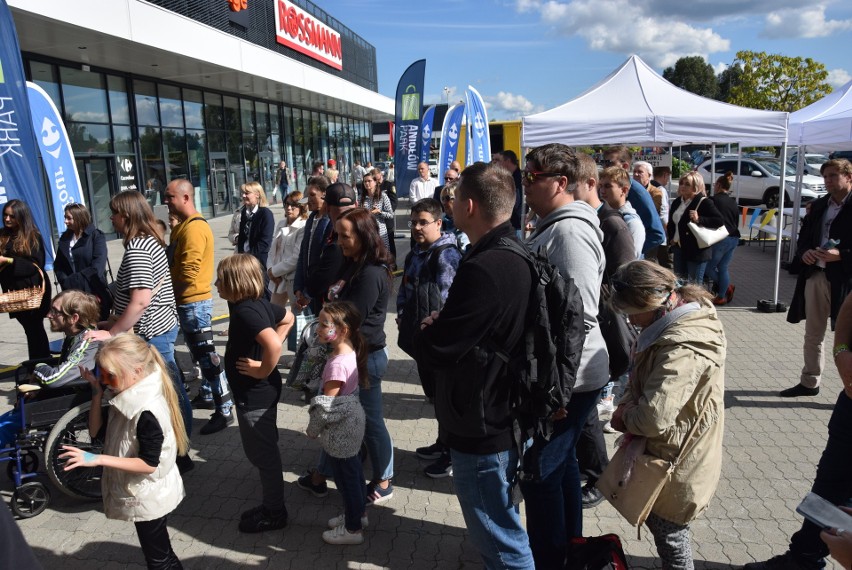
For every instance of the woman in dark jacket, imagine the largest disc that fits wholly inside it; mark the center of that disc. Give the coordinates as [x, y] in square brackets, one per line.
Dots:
[22, 266]
[257, 224]
[723, 252]
[690, 261]
[82, 256]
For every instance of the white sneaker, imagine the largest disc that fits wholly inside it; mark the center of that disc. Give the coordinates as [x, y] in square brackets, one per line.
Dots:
[605, 408]
[339, 535]
[607, 428]
[337, 521]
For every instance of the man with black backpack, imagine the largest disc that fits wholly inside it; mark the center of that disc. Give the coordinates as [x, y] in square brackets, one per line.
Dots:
[429, 271]
[569, 231]
[486, 306]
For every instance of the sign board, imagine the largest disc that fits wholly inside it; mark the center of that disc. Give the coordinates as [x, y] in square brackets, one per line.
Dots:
[299, 30]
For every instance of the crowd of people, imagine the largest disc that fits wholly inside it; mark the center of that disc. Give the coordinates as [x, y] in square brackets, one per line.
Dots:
[461, 307]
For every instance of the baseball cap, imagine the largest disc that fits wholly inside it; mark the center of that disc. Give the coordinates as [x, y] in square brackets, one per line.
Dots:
[332, 163]
[340, 194]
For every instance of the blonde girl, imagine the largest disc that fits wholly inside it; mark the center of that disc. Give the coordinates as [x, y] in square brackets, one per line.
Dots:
[144, 435]
[255, 333]
[336, 416]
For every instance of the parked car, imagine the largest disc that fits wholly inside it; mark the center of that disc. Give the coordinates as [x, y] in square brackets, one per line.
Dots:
[813, 162]
[759, 180]
[433, 167]
[847, 154]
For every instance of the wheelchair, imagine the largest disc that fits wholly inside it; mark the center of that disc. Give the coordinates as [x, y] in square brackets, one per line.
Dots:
[46, 424]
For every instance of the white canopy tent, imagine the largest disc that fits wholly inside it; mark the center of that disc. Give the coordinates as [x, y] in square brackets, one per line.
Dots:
[635, 105]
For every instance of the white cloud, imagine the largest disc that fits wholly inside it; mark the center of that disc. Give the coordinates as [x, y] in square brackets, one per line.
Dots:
[510, 106]
[807, 22]
[837, 78]
[720, 67]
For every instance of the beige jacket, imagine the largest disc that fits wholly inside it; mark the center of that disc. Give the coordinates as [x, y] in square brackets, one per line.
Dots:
[676, 373]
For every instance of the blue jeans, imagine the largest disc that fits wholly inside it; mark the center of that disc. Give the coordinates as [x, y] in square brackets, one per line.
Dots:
[165, 345]
[717, 270]
[376, 435]
[482, 484]
[832, 482]
[690, 270]
[349, 478]
[554, 500]
[193, 317]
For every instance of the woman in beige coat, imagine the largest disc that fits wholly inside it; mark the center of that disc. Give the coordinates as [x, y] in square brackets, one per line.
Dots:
[677, 379]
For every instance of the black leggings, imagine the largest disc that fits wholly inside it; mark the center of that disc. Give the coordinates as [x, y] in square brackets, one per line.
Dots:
[37, 343]
[155, 543]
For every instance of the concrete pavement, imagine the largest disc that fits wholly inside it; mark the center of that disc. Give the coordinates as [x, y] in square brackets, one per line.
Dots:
[772, 446]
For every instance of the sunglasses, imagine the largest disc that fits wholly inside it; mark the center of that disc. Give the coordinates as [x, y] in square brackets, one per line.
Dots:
[446, 199]
[611, 163]
[530, 176]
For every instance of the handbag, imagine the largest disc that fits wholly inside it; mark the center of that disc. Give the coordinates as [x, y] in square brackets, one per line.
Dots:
[707, 236]
[595, 553]
[25, 299]
[619, 335]
[306, 372]
[634, 479]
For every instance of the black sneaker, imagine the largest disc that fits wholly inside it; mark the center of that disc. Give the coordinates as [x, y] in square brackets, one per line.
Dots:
[441, 468]
[305, 482]
[799, 390]
[784, 561]
[203, 403]
[591, 497]
[218, 421]
[262, 520]
[251, 512]
[430, 452]
[184, 464]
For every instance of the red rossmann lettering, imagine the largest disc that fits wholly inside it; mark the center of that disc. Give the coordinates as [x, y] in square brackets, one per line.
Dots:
[307, 31]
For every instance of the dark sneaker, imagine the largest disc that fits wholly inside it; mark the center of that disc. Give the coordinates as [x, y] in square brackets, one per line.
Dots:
[184, 464]
[251, 512]
[441, 468]
[201, 402]
[591, 497]
[799, 390]
[218, 422]
[430, 452]
[376, 495]
[262, 520]
[305, 482]
[784, 561]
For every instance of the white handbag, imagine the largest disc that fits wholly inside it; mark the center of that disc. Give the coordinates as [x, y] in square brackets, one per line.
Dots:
[707, 236]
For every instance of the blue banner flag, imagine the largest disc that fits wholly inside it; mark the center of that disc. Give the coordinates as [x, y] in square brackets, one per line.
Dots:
[407, 123]
[479, 140]
[56, 153]
[19, 176]
[426, 134]
[450, 133]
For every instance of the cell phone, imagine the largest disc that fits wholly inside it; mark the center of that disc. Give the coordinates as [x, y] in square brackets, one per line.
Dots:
[823, 513]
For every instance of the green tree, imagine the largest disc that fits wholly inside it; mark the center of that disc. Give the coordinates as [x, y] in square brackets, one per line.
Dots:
[693, 74]
[727, 80]
[777, 82]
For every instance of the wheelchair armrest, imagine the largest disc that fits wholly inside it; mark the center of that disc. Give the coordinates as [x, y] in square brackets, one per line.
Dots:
[28, 388]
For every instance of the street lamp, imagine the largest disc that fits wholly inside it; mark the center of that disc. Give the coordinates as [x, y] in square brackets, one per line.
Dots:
[447, 95]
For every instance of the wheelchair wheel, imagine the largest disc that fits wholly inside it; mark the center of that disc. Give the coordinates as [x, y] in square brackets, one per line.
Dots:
[29, 464]
[30, 499]
[73, 429]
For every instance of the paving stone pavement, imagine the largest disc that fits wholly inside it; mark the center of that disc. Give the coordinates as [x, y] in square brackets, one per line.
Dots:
[772, 446]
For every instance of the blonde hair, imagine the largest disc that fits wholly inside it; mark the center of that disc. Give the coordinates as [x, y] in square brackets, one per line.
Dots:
[616, 175]
[294, 197]
[640, 286]
[140, 217]
[240, 277]
[694, 180]
[127, 352]
[256, 188]
[84, 305]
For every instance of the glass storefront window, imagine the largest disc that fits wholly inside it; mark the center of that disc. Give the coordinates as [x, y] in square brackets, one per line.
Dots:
[198, 171]
[84, 96]
[122, 139]
[119, 108]
[213, 117]
[171, 107]
[87, 138]
[174, 145]
[193, 109]
[247, 121]
[44, 75]
[153, 169]
[262, 110]
[145, 94]
[232, 113]
[237, 167]
[216, 141]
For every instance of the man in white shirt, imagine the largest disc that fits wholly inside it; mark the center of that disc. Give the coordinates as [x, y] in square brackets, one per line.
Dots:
[424, 186]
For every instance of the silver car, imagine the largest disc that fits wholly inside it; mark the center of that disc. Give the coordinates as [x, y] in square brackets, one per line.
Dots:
[758, 181]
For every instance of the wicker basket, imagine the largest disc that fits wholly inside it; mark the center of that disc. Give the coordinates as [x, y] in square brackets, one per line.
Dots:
[23, 299]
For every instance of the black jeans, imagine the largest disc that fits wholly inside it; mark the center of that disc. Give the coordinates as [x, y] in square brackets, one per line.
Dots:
[349, 478]
[155, 543]
[833, 482]
[591, 449]
[37, 344]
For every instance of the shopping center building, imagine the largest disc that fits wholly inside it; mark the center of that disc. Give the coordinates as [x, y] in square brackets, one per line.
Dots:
[214, 91]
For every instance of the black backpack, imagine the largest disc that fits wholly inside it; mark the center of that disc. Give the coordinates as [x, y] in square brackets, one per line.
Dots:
[554, 333]
[426, 298]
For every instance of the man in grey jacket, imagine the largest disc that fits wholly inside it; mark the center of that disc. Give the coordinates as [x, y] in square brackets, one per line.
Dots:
[569, 231]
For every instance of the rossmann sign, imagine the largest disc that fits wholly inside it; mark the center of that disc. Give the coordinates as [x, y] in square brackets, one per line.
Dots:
[300, 31]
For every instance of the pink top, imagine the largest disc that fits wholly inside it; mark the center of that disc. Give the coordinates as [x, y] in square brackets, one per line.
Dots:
[342, 368]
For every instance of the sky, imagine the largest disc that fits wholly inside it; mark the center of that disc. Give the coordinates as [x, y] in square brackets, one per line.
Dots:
[526, 56]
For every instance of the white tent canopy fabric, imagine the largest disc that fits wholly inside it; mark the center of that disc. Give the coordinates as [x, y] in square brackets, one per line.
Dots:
[825, 124]
[635, 105]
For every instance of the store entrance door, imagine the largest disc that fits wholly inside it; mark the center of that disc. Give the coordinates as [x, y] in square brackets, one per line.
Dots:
[98, 186]
[220, 184]
[268, 171]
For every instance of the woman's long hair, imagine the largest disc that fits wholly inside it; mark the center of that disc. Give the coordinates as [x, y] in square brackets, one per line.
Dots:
[373, 250]
[81, 216]
[139, 215]
[640, 286]
[345, 314]
[127, 352]
[25, 241]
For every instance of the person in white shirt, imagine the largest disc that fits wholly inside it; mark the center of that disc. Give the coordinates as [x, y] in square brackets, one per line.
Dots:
[424, 186]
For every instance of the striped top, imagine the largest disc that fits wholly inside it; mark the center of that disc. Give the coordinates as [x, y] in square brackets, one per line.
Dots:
[143, 266]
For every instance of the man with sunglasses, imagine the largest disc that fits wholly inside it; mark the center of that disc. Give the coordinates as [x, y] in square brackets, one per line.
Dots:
[641, 201]
[569, 231]
[450, 175]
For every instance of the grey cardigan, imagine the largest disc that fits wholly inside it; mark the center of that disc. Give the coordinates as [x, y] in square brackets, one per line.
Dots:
[339, 422]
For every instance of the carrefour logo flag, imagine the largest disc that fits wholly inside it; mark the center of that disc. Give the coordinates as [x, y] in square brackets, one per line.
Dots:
[479, 149]
[450, 133]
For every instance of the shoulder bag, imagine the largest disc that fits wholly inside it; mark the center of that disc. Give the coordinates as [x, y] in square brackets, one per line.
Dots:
[707, 236]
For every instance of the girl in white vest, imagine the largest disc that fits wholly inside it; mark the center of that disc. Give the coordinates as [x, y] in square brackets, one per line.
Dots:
[144, 434]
